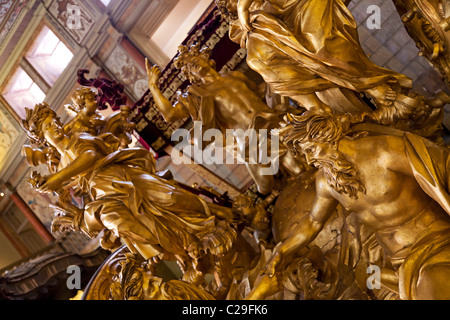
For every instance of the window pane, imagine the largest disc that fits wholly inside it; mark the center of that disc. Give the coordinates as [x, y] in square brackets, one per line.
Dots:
[37, 93]
[105, 2]
[21, 92]
[49, 56]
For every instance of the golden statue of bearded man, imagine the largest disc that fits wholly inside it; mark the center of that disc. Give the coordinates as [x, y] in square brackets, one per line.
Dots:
[396, 184]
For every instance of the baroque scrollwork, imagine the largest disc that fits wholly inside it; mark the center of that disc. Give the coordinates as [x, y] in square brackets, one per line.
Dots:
[428, 24]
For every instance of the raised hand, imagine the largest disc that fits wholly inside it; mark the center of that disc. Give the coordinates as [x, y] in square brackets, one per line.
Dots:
[49, 184]
[153, 72]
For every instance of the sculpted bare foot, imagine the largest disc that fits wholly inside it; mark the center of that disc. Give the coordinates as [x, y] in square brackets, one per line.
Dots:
[390, 96]
[383, 95]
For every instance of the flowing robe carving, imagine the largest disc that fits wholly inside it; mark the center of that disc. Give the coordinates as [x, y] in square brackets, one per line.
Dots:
[306, 46]
[140, 207]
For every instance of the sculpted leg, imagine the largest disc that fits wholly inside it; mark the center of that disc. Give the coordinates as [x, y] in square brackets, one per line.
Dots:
[264, 182]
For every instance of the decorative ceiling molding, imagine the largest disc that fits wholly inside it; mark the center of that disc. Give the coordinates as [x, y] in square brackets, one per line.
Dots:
[10, 11]
[11, 14]
[127, 71]
[21, 44]
[147, 24]
[86, 20]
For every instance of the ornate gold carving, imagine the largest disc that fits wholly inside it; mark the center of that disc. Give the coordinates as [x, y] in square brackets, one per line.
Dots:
[397, 192]
[326, 68]
[427, 22]
[228, 100]
[126, 200]
[363, 188]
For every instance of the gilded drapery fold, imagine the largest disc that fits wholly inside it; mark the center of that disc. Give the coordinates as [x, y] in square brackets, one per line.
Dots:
[310, 46]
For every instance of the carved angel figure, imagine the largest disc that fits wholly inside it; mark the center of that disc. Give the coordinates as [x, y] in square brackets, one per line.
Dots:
[255, 215]
[125, 196]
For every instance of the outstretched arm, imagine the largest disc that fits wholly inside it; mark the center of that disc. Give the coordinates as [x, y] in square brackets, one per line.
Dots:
[170, 113]
[309, 227]
[81, 164]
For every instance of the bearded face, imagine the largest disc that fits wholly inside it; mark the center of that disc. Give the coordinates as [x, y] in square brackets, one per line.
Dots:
[340, 173]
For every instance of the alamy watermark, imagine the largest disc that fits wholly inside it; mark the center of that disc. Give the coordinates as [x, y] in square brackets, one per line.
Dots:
[73, 13]
[374, 280]
[251, 147]
[74, 280]
[374, 20]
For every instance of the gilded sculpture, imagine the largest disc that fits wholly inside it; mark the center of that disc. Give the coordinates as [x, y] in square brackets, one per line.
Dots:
[255, 215]
[126, 200]
[362, 187]
[428, 24]
[396, 191]
[304, 49]
[136, 282]
[222, 101]
[316, 41]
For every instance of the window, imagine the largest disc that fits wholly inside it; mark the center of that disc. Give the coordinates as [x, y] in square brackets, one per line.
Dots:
[41, 66]
[105, 2]
[49, 56]
[22, 92]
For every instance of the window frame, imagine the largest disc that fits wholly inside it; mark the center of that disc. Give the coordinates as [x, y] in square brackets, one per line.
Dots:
[28, 67]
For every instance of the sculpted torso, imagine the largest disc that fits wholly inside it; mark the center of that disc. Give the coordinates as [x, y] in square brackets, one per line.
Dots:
[235, 102]
[393, 198]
